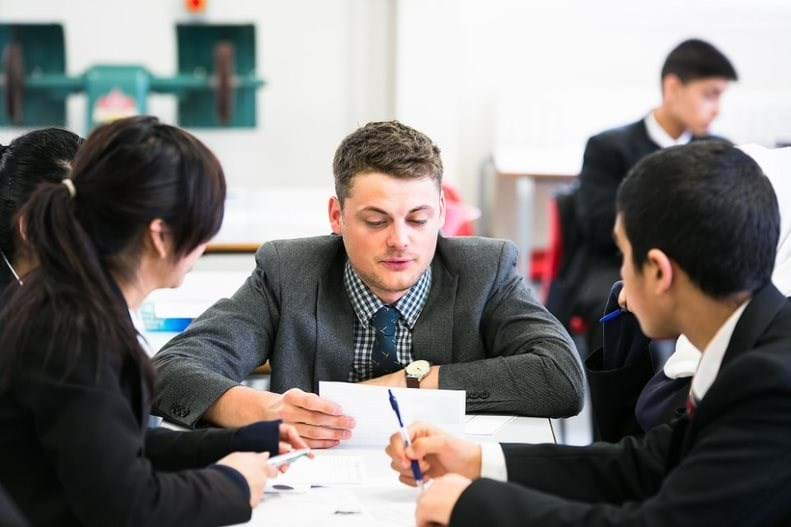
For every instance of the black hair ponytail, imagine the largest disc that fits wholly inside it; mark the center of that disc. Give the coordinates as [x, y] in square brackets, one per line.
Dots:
[70, 281]
[84, 237]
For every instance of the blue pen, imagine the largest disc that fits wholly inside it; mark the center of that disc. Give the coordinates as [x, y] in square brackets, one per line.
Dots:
[612, 315]
[415, 465]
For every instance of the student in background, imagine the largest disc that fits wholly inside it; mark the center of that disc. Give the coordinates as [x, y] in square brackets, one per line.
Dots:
[692, 265]
[694, 77]
[38, 156]
[75, 384]
[630, 393]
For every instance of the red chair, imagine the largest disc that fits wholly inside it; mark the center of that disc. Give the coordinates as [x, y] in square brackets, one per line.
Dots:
[459, 216]
[550, 263]
[553, 262]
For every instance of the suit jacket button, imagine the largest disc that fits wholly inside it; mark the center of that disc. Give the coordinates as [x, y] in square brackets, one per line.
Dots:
[179, 411]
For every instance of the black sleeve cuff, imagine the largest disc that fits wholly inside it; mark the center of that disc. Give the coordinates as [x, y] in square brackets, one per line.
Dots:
[263, 436]
[472, 506]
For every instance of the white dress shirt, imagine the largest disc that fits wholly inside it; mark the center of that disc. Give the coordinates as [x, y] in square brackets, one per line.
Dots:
[493, 462]
[712, 357]
[658, 135]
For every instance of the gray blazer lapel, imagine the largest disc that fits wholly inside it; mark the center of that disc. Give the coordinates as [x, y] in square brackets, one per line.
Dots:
[432, 338]
[334, 328]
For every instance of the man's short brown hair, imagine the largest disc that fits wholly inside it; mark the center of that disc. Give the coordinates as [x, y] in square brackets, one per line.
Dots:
[388, 147]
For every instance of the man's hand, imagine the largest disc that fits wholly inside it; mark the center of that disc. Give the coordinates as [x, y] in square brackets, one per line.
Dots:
[436, 504]
[437, 452]
[319, 422]
[290, 439]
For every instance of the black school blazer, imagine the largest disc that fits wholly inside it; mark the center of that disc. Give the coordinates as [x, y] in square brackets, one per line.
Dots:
[75, 449]
[729, 465]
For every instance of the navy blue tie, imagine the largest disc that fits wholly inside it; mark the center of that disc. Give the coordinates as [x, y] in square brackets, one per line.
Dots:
[384, 358]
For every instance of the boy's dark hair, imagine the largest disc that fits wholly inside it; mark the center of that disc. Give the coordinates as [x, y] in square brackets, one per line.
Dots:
[710, 208]
[388, 147]
[696, 59]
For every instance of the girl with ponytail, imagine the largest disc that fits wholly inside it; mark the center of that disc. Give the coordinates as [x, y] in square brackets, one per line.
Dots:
[76, 386]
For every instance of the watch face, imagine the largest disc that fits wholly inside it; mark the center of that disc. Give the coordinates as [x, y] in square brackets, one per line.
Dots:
[419, 368]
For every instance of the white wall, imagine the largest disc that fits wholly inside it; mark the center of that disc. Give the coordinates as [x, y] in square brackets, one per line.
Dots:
[478, 76]
[540, 76]
[327, 63]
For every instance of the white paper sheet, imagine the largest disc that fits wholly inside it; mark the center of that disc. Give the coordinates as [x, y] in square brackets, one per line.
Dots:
[485, 425]
[376, 421]
[325, 470]
[336, 507]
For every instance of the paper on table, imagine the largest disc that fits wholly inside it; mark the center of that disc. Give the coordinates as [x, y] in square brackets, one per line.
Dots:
[376, 421]
[326, 470]
[334, 507]
[485, 425]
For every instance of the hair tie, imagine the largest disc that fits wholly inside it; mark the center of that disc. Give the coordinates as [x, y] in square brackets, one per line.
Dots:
[69, 184]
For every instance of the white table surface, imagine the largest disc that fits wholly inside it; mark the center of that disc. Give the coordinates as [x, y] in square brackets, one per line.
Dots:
[383, 500]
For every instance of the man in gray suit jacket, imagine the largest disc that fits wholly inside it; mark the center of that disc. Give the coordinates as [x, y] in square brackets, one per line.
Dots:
[384, 300]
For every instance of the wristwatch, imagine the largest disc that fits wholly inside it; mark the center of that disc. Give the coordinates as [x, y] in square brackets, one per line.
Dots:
[415, 372]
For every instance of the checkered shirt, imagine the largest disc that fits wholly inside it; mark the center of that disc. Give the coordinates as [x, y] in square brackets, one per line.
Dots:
[365, 304]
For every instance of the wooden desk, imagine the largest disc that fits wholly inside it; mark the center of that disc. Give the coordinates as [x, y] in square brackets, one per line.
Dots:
[232, 248]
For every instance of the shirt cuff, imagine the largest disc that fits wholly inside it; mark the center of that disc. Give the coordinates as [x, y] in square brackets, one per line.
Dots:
[493, 462]
[263, 436]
